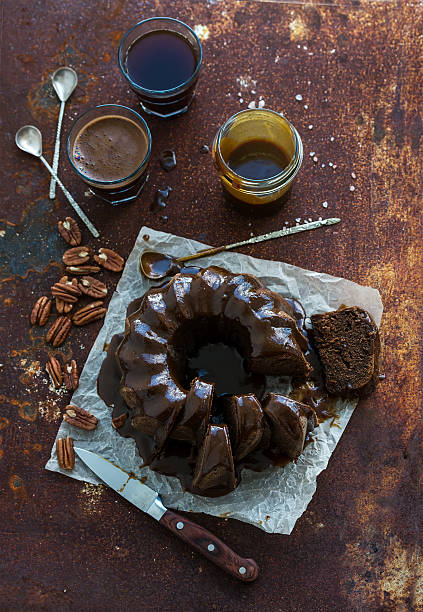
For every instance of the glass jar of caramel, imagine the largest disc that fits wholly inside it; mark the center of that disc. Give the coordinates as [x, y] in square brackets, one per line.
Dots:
[257, 153]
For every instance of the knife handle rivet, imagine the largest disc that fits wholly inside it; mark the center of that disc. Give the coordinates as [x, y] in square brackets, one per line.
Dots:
[210, 547]
[242, 570]
[179, 525]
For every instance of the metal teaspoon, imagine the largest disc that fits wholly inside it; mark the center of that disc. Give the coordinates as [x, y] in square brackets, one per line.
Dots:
[64, 82]
[158, 265]
[28, 138]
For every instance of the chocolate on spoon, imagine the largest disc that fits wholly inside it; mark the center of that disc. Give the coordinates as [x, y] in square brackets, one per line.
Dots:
[156, 265]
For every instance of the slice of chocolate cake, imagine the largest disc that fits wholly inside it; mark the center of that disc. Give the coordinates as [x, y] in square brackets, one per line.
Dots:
[348, 345]
[214, 471]
[245, 420]
[289, 421]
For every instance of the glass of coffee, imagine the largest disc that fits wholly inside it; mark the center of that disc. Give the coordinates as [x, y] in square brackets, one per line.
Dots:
[161, 59]
[109, 148]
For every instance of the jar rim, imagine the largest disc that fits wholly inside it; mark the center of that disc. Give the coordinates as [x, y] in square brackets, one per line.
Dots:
[267, 184]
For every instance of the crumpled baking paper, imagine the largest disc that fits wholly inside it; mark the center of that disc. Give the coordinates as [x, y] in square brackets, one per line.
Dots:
[272, 500]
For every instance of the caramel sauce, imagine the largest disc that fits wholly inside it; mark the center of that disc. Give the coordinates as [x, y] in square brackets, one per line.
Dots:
[258, 160]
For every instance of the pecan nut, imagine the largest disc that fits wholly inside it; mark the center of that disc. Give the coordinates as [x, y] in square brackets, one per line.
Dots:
[65, 453]
[61, 306]
[71, 376]
[59, 331]
[93, 287]
[41, 311]
[69, 231]
[109, 260]
[54, 370]
[67, 291]
[90, 313]
[80, 270]
[78, 417]
[119, 421]
[76, 256]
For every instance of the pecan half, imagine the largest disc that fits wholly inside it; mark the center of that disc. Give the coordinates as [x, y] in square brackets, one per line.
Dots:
[59, 331]
[41, 311]
[119, 421]
[69, 231]
[65, 453]
[61, 306]
[93, 287]
[109, 260]
[67, 291]
[80, 270]
[91, 312]
[54, 370]
[78, 417]
[76, 256]
[70, 375]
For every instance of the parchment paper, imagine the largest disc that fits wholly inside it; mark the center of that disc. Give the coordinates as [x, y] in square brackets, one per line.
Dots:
[272, 500]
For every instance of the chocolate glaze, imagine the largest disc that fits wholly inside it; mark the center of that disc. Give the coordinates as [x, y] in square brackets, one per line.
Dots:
[170, 413]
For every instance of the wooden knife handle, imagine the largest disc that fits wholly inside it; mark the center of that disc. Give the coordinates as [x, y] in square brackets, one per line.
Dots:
[210, 546]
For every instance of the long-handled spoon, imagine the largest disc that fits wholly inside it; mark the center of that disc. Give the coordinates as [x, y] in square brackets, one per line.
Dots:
[28, 138]
[158, 265]
[64, 82]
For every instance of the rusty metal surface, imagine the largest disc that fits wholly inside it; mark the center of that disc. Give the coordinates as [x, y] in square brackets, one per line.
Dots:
[357, 66]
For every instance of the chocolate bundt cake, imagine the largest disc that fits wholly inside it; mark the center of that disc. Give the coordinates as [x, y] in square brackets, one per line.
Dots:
[174, 420]
[348, 345]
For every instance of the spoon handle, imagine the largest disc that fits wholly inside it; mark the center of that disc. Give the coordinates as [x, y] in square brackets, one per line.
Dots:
[57, 151]
[72, 202]
[286, 231]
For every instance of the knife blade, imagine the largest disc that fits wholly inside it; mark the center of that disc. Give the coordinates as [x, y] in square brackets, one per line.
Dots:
[148, 500]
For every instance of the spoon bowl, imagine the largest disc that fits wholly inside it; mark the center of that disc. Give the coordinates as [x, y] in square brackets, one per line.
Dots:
[28, 138]
[64, 82]
[158, 265]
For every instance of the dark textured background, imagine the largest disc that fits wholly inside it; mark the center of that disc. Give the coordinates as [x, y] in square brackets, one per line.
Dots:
[70, 546]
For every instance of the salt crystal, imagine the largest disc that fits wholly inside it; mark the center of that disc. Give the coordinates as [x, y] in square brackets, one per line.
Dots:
[251, 234]
[305, 48]
[332, 138]
[353, 175]
[298, 97]
[241, 100]
[252, 104]
[330, 164]
[310, 219]
[334, 166]
[310, 127]
[320, 219]
[298, 220]
[252, 92]
[261, 103]
[315, 159]
[323, 165]
[312, 153]
[352, 188]
[333, 50]
[306, 106]
[325, 204]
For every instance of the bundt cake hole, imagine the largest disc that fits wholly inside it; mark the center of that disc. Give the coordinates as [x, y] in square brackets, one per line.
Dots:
[216, 350]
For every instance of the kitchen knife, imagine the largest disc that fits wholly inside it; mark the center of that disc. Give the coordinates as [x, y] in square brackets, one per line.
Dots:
[149, 501]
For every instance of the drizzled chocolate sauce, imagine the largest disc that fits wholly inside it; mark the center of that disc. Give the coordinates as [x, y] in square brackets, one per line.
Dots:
[224, 366]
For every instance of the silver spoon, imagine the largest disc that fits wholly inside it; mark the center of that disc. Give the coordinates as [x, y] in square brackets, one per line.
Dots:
[64, 82]
[158, 265]
[28, 138]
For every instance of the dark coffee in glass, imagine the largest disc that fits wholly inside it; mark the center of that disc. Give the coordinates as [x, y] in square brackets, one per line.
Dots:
[161, 59]
[109, 147]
